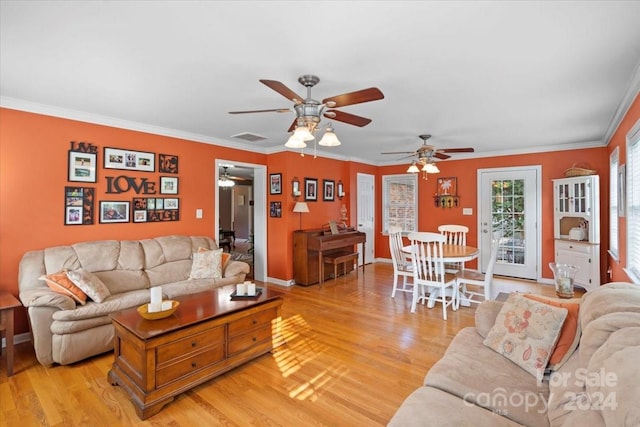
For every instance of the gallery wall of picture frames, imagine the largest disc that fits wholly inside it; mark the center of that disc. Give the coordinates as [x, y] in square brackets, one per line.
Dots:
[79, 201]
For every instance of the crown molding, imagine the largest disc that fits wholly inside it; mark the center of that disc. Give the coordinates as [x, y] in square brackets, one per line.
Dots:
[633, 89]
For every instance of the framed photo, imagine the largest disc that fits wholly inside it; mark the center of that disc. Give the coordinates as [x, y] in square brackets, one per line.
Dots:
[129, 160]
[171, 203]
[159, 204]
[447, 186]
[82, 166]
[310, 189]
[139, 216]
[78, 205]
[168, 185]
[328, 190]
[114, 212]
[275, 183]
[167, 163]
[622, 188]
[295, 188]
[275, 209]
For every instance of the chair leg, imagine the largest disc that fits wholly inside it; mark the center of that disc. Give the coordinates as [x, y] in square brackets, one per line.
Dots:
[414, 300]
[395, 285]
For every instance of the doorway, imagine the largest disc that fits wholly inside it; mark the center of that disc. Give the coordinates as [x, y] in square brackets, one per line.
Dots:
[252, 207]
[509, 201]
[365, 214]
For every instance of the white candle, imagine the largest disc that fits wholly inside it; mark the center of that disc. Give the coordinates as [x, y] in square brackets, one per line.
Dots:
[241, 289]
[251, 289]
[156, 299]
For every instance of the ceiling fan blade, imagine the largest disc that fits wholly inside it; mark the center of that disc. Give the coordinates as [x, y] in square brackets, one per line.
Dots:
[456, 150]
[293, 125]
[352, 119]
[441, 155]
[400, 152]
[274, 110]
[283, 90]
[357, 97]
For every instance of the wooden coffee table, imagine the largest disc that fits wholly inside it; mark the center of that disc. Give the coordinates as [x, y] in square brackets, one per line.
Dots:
[209, 334]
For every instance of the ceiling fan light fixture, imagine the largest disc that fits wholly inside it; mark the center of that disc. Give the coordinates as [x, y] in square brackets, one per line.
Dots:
[303, 133]
[430, 168]
[329, 139]
[413, 168]
[295, 142]
[224, 180]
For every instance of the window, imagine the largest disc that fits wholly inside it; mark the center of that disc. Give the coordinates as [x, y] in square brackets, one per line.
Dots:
[613, 204]
[633, 203]
[400, 202]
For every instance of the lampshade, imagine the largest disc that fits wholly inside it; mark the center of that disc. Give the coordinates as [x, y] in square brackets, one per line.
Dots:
[413, 168]
[295, 142]
[430, 168]
[225, 182]
[302, 133]
[329, 139]
[301, 207]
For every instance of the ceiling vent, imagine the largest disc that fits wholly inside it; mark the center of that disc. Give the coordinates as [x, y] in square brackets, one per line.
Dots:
[248, 136]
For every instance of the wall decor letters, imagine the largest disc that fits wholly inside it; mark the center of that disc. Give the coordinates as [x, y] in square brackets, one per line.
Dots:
[122, 184]
[78, 205]
[83, 147]
[167, 163]
[141, 161]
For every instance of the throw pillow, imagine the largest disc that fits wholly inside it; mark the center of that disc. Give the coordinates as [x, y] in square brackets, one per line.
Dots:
[60, 283]
[569, 334]
[207, 265]
[90, 284]
[526, 333]
[226, 256]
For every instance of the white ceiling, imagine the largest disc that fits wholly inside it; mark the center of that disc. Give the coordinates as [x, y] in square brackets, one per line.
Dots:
[501, 77]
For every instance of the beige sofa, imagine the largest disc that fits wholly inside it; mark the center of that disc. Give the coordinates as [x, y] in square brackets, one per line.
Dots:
[65, 332]
[599, 384]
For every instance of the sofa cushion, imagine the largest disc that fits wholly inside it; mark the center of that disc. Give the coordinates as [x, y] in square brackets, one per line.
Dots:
[597, 332]
[480, 376]
[98, 255]
[110, 305]
[429, 406]
[485, 316]
[526, 333]
[89, 283]
[569, 334]
[206, 265]
[59, 282]
[119, 281]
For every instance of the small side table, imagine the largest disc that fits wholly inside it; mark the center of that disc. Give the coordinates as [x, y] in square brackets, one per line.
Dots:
[7, 303]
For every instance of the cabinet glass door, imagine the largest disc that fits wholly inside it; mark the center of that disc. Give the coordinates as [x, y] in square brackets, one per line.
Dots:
[580, 197]
[563, 198]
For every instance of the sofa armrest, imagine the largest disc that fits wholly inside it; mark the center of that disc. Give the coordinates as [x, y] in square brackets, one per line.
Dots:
[235, 268]
[45, 297]
[486, 315]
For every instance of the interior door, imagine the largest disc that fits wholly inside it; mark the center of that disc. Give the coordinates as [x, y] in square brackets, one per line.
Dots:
[509, 202]
[365, 213]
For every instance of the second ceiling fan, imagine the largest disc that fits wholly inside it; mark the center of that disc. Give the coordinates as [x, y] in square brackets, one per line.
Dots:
[309, 111]
[427, 152]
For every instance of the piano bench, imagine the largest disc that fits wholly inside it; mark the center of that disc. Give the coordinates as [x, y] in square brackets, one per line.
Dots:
[340, 258]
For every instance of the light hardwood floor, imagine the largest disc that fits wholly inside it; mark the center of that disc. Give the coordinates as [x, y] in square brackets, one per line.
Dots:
[351, 356]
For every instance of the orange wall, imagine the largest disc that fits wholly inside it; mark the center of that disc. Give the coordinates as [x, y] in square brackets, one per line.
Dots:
[619, 140]
[553, 166]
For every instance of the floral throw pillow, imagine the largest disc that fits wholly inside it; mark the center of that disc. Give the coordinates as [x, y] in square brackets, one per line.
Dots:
[526, 332]
[207, 265]
[90, 284]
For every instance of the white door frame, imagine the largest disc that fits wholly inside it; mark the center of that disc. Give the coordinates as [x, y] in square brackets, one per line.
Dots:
[369, 229]
[484, 253]
[259, 214]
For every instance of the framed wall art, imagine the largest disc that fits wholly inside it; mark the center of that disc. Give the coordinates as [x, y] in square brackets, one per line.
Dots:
[275, 209]
[328, 190]
[167, 163]
[168, 185]
[82, 166]
[111, 212]
[447, 186]
[141, 161]
[156, 209]
[275, 183]
[78, 205]
[310, 189]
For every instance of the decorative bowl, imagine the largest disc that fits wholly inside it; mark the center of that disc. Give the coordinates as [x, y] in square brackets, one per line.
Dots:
[144, 311]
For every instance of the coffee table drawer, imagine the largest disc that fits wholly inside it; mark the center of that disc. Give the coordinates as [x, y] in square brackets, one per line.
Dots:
[248, 340]
[253, 321]
[188, 345]
[188, 366]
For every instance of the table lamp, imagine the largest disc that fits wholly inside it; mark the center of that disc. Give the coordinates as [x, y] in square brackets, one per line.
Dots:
[301, 207]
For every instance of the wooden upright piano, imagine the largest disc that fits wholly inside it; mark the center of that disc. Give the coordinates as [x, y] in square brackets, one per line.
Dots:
[310, 247]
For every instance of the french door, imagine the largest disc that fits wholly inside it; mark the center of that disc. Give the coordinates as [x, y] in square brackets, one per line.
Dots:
[509, 203]
[365, 213]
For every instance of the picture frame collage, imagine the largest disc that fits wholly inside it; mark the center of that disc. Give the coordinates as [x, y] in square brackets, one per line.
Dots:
[83, 167]
[310, 191]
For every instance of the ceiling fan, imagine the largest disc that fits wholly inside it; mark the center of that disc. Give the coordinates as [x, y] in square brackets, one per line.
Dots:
[309, 111]
[427, 152]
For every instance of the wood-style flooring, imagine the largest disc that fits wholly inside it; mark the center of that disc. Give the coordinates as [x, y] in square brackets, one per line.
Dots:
[352, 355]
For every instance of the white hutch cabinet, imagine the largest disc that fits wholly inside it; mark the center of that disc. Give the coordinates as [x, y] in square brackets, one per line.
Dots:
[576, 203]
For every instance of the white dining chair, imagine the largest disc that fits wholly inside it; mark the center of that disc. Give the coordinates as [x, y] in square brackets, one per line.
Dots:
[401, 262]
[478, 279]
[455, 235]
[428, 271]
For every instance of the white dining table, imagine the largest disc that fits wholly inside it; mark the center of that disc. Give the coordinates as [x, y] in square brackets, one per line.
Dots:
[450, 254]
